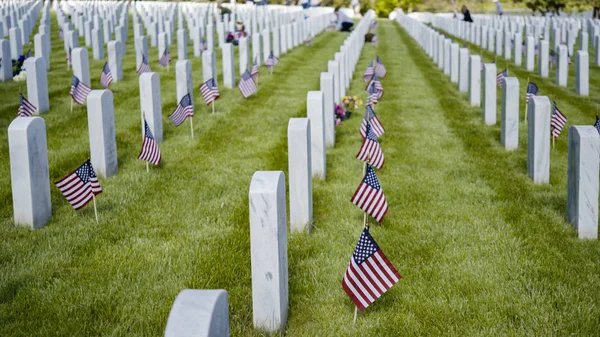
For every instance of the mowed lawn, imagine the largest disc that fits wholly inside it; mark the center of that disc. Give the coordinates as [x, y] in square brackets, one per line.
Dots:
[482, 250]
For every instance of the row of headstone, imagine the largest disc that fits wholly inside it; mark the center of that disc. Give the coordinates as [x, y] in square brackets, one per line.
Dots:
[536, 45]
[584, 141]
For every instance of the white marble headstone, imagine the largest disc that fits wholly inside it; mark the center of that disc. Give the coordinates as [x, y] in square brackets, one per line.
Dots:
[300, 174]
[101, 126]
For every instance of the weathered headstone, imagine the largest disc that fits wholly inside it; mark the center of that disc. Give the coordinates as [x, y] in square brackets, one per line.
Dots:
[538, 140]
[228, 65]
[582, 73]
[327, 87]
[101, 126]
[499, 39]
[150, 103]
[276, 42]
[315, 112]
[509, 128]
[37, 83]
[183, 74]
[268, 246]
[115, 60]
[300, 174]
[199, 313]
[582, 185]
[475, 80]
[447, 57]
[489, 93]
[30, 179]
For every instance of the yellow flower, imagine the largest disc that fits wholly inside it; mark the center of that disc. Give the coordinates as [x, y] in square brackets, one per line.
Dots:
[355, 97]
[360, 102]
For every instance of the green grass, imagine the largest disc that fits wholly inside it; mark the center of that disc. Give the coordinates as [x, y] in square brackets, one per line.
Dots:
[482, 250]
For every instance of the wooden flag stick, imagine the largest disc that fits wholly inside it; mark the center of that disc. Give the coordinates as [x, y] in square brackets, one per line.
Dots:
[213, 106]
[95, 209]
[147, 167]
[192, 126]
[355, 312]
[553, 142]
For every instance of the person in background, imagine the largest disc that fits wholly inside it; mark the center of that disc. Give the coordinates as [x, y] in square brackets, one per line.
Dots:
[343, 22]
[466, 14]
[499, 9]
[223, 10]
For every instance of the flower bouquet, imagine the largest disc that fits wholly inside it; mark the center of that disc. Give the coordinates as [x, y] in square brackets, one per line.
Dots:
[344, 111]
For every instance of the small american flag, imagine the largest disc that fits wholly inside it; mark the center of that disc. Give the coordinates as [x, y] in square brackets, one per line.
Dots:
[80, 186]
[501, 76]
[247, 86]
[569, 60]
[558, 121]
[254, 72]
[209, 91]
[371, 118]
[309, 41]
[144, 67]
[79, 91]
[374, 39]
[61, 34]
[150, 151]
[29, 54]
[202, 45]
[184, 109]
[523, 48]
[370, 151]
[369, 274]
[69, 56]
[369, 73]
[26, 109]
[532, 90]
[165, 59]
[597, 124]
[553, 57]
[106, 77]
[379, 68]
[372, 97]
[369, 196]
[271, 61]
[376, 86]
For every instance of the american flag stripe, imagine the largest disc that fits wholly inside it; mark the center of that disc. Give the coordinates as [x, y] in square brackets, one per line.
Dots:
[79, 190]
[144, 67]
[150, 151]
[371, 153]
[106, 76]
[180, 114]
[380, 68]
[209, 91]
[368, 75]
[26, 109]
[377, 128]
[247, 86]
[558, 121]
[79, 91]
[165, 58]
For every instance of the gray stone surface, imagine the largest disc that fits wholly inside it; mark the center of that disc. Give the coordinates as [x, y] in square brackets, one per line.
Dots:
[30, 179]
[141, 50]
[208, 66]
[244, 53]
[228, 65]
[582, 185]
[182, 42]
[97, 44]
[115, 60]
[327, 88]
[5, 61]
[463, 70]
[257, 49]
[300, 174]
[101, 126]
[562, 70]
[543, 59]
[42, 48]
[183, 78]
[530, 53]
[315, 112]
[582, 73]
[37, 83]
[150, 104]
[475, 80]
[489, 94]
[268, 246]
[266, 44]
[16, 45]
[199, 313]
[333, 67]
[538, 139]
[509, 128]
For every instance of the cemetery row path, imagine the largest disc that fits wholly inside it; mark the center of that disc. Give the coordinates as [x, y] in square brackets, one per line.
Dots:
[482, 250]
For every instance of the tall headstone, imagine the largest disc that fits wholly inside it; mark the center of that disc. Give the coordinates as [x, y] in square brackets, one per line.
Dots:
[37, 83]
[97, 44]
[333, 67]
[268, 246]
[538, 140]
[463, 70]
[582, 184]
[16, 46]
[489, 93]
[163, 44]
[182, 42]
[276, 42]
[518, 38]
[5, 61]
[582, 73]
[183, 73]
[530, 53]
[150, 104]
[30, 179]
[208, 66]
[509, 128]
[266, 44]
[499, 39]
[199, 313]
[315, 112]
[543, 58]
[256, 49]
[300, 174]
[475, 80]
[562, 67]
[141, 50]
[327, 87]
[210, 37]
[101, 126]
[447, 57]
[244, 51]
[115, 60]
[228, 65]
[42, 48]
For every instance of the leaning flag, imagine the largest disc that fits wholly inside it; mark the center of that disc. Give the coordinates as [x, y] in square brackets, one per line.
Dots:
[532, 90]
[202, 45]
[379, 68]
[80, 186]
[79, 91]
[254, 72]
[61, 34]
[501, 76]
[165, 59]
[372, 95]
[26, 109]
[144, 67]
[597, 124]
[247, 86]
[552, 57]
[370, 151]
[106, 76]
[368, 75]
[209, 91]
[271, 61]
[569, 61]
[558, 121]
[184, 109]
[375, 85]
[374, 39]
[150, 151]
[369, 196]
[369, 274]
[371, 118]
